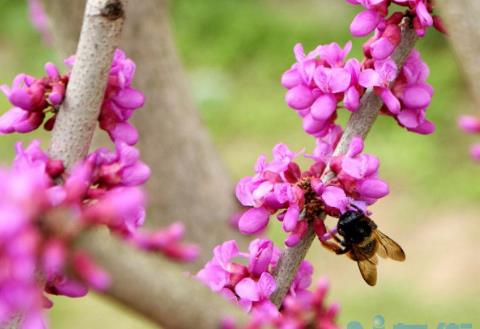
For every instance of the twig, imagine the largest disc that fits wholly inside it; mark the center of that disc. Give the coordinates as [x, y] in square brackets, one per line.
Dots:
[359, 124]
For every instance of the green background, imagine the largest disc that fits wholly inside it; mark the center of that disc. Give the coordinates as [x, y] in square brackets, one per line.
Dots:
[235, 52]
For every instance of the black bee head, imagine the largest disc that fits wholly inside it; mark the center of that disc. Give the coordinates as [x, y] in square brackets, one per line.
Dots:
[354, 226]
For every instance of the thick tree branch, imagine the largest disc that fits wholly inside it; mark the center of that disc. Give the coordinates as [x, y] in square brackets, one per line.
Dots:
[359, 124]
[463, 25]
[77, 118]
[157, 288]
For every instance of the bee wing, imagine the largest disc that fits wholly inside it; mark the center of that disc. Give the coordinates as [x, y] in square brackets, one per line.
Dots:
[366, 265]
[387, 248]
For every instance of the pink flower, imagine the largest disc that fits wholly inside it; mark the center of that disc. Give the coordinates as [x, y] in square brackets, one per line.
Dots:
[475, 152]
[380, 78]
[297, 312]
[250, 285]
[39, 20]
[317, 82]
[167, 241]
[262, 254]
[271, 189]
[364, 23]
[415, 95]
[357, 174]
[90, 272]
[121, 209]
[32, 99]
[121, 99]
[253, 293]
[469, 124]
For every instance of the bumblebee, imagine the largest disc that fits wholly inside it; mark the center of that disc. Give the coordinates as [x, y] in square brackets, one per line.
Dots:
[359, 238]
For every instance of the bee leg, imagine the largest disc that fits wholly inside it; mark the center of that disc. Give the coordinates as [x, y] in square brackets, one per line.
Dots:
[336, 248]
[343, 251]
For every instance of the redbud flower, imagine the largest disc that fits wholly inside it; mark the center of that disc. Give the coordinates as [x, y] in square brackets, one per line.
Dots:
[121, 99]
[375, 15]
[249, 285]
[32, 98]
[380, 77]
[471, 125]
[318, 82]
[39, 19]
[273, 188]
[297, 312]
[357, 174]
[168, 241]
[415, 95]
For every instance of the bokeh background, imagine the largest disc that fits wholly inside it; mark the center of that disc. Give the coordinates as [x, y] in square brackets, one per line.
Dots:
[235, 52]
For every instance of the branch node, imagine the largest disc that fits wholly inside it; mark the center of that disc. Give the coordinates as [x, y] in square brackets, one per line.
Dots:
[113, 10]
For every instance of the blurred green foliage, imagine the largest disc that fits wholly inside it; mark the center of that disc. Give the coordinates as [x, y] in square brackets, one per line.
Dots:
[235, 52]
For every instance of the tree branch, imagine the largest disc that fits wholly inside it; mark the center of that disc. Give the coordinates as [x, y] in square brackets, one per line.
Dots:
[156, 287]
[463, 25]
[77, 118]
[359, 124]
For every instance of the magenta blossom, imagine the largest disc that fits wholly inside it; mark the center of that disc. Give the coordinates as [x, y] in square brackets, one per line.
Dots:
[357, 175]
[317, 82]
[375, 16]
[121, 99]
[280, 187]
[48, 206]
[298, 312]
[471, 125]
[39, 20]
[167, 241]
[380, 77]
[415, 95]
[249, 284]
[33, 98]
[271, 189]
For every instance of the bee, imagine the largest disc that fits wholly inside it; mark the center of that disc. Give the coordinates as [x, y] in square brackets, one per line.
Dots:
[361, 241]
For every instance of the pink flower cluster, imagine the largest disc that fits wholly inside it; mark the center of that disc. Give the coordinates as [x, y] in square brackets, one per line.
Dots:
[321, 81]
[375, 17]
[298, 312]
[406, 94]
[33, 98]
[279, 186]
[45, 216]
[318, 81]
[48, 206]
[471, 125]
[250, 285]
